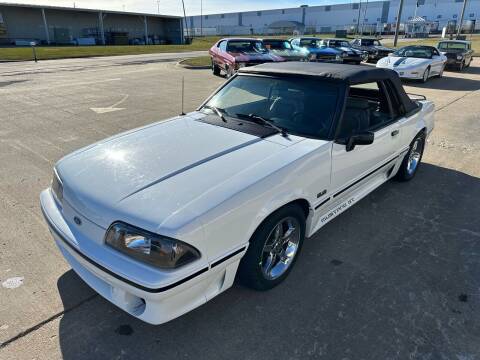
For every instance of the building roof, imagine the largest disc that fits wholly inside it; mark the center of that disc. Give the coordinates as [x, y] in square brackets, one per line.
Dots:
[46, 7]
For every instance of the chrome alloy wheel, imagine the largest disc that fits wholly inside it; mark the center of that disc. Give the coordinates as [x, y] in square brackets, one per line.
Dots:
[415, 155]
[280, 248]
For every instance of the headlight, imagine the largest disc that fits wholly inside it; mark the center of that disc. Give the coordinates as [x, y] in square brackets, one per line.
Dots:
[150, 248]
[57, 187]
[459, 57]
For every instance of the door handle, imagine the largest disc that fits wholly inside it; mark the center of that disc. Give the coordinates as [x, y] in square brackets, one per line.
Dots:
[395, 132]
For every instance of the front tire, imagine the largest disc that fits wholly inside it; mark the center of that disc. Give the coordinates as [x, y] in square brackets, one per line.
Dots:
[412, 160]
[274, 249]
[426, 75]
[215, 68]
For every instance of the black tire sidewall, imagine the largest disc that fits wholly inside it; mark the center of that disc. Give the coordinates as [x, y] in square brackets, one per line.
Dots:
[250, 273]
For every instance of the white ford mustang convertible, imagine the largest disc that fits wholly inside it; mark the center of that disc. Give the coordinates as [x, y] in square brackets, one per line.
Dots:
[161, 219]
[416, 62]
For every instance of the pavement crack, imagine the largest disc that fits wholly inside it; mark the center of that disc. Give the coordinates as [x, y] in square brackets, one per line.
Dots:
[455, 100]
[44, 322]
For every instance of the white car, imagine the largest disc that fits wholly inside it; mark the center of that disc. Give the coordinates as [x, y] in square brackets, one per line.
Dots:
[159, 220]
[416, 62]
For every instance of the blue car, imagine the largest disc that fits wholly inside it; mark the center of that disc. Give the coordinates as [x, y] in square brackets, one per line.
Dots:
[315, 50]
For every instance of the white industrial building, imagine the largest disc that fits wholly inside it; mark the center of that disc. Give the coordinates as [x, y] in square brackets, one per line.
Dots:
[375, 16]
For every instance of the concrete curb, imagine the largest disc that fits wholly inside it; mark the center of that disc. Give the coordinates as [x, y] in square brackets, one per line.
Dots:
[191, 67]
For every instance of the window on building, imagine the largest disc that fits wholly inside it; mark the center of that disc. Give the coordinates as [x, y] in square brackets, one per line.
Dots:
[354, 20]
[222, 16]
[366, 20]
[355, 6]
[378, 19]
[454, 16]
[421, 2]
[259, 13]
[206, 17]
[458, 0]
[283, 11]
[439, 16]
[328, 8]
[472, 15]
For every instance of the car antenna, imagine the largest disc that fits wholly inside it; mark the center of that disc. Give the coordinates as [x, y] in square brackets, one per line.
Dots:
[183, 95]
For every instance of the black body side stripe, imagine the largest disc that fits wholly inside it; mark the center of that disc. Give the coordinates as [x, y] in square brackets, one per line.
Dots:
[364, 177]
[111, 273]
[322, 203]
[218, 262]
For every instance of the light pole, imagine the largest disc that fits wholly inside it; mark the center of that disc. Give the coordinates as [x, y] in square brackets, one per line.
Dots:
[358, 19]
[397, 26]
[459, 31]
[185, 17]
[158, 7]
[201, 17]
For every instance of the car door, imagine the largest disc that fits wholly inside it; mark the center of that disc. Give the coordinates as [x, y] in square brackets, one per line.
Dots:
[366, 166]
[221, 54]
[437, 62]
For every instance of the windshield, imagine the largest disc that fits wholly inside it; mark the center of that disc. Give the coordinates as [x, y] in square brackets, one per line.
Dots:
[415, 52]
[245, 46]
[452, 46]
[370, 42]
[338, 43]
[311, 43]
[277, 44]
[304, 108]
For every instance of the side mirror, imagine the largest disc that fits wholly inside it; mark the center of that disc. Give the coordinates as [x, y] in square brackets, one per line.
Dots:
[365, 138]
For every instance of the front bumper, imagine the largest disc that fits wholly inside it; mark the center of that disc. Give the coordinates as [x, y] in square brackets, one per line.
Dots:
[377, 56]
[453, 62]
[157, 304]
[409, 74]
[352, 58]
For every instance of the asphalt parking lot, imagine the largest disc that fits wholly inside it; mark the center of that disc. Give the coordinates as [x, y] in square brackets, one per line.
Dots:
[395, 277]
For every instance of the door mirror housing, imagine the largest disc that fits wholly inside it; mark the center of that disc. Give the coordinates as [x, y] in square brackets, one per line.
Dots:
[364, 138]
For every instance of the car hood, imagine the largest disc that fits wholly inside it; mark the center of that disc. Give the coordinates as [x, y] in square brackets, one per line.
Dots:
[289, 53]
[348, 50]
[254, 56]
[395, 62]
[324, 51]
[151, 173]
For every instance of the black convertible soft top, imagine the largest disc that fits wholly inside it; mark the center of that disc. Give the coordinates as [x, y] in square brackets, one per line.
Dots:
[345, 73]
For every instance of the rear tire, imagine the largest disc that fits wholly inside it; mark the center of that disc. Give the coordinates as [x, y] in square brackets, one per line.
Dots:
[440, 75]
[412, 160]
[274, 249]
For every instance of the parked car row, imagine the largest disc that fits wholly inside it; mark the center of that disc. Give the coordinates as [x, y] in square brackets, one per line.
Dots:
[230, 54]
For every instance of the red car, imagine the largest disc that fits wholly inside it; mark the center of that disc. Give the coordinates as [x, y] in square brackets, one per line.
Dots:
[229, 55]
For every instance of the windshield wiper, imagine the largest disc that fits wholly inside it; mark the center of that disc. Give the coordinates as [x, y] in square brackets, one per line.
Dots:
[216, 111]
[261, 120]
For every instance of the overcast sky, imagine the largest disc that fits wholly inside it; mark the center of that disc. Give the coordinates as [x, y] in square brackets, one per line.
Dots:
[174, 7]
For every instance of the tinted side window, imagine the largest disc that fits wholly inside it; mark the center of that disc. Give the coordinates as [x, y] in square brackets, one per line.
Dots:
[366, 109]
[223, 46]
